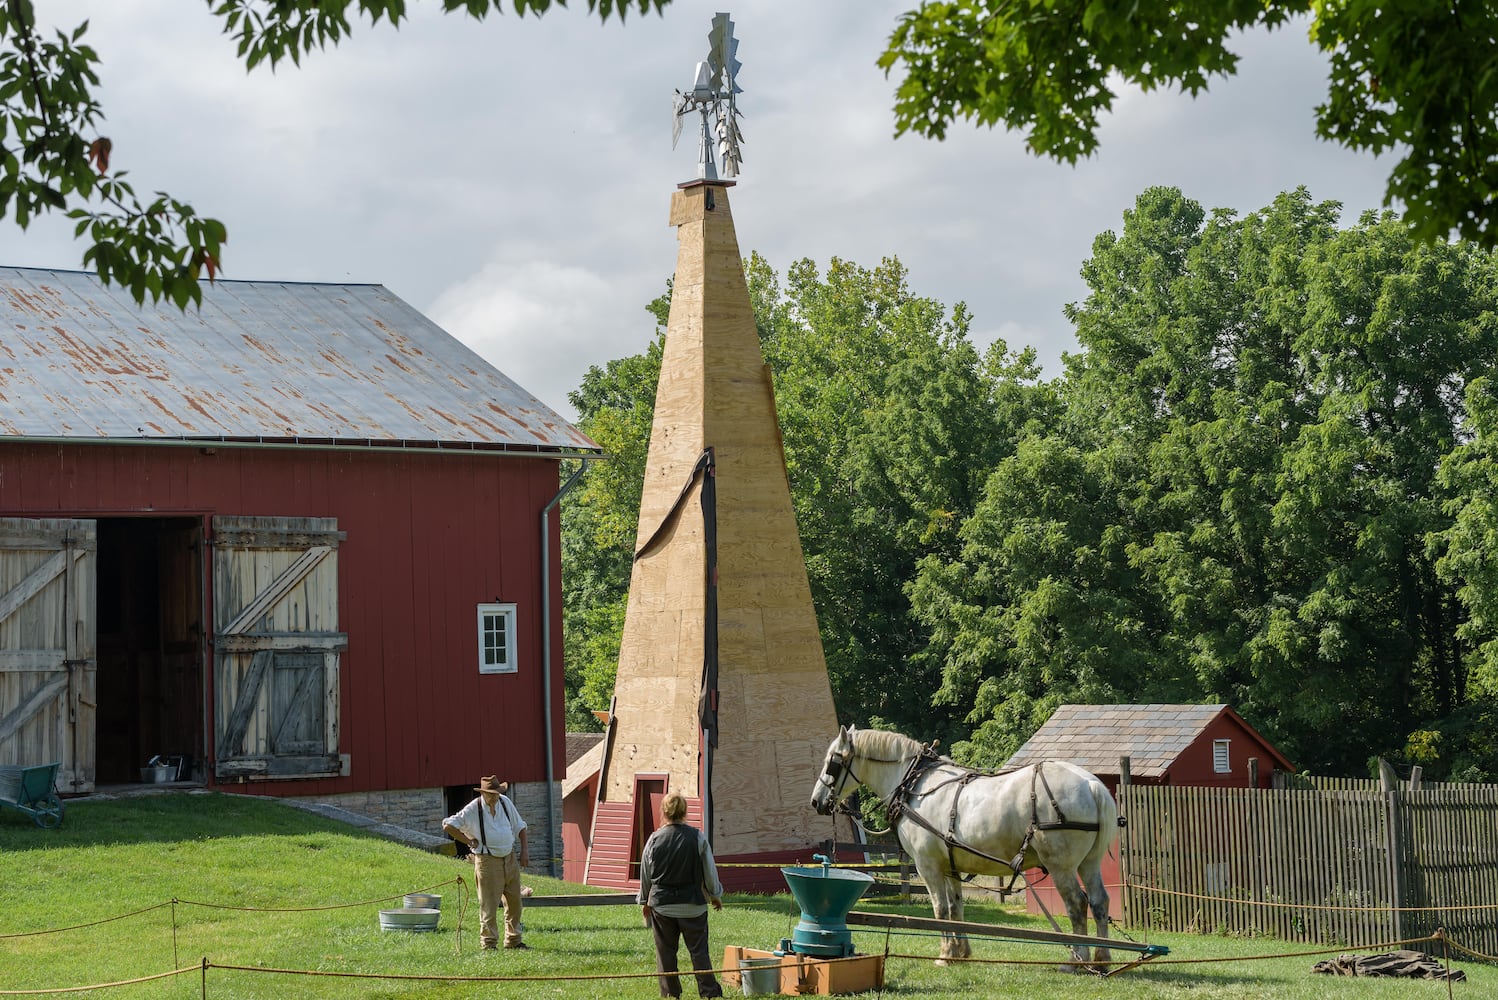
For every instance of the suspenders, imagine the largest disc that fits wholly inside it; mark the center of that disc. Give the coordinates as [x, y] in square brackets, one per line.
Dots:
[514, 825]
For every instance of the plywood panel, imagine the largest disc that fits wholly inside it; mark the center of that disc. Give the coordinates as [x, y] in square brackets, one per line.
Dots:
[774, 697]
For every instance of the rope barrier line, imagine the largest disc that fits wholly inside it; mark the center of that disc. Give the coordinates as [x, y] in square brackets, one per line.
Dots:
[206, 965]
[309, 909]
[588, 977]
[91, 923]
[1479, 956]
[53, 991]
[1143, 887]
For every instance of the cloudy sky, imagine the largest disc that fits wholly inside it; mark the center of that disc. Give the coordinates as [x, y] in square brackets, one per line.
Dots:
[511, 178]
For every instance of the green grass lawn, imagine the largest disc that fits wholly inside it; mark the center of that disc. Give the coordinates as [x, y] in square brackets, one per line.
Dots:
[264, 886]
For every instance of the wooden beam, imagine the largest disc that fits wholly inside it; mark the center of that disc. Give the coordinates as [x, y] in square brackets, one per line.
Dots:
[590, 899]
[901, 922]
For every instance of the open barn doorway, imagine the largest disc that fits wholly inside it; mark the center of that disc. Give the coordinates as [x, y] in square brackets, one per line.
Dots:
[150, 647]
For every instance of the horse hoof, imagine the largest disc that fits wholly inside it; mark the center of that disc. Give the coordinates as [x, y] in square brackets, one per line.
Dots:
[940, 963]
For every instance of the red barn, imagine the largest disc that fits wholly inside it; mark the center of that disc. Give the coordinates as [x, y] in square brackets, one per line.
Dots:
[298, 542]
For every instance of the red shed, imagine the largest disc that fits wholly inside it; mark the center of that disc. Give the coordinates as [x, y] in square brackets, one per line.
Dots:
[298, 542]
[1195, 745]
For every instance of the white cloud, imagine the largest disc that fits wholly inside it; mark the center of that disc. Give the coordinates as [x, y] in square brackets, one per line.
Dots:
[545, 324]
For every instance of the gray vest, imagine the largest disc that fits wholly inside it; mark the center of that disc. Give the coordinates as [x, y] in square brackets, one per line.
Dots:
[675, 865]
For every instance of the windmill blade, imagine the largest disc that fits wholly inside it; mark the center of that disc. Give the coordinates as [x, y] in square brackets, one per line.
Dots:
[722, 52]
[732, 67]
[730, 139]
[678, 109]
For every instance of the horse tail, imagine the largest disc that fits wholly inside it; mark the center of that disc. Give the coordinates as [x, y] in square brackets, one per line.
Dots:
[1107, 819]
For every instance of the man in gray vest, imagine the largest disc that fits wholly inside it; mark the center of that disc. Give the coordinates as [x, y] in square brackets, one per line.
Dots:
[678, 880]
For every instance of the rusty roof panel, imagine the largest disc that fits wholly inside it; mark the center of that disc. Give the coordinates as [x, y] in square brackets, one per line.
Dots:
[261, 360]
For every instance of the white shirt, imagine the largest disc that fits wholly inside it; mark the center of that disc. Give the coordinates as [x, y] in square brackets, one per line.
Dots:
[501, 827]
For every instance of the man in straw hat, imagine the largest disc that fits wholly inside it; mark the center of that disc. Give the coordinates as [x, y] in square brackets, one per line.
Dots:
[491, 827]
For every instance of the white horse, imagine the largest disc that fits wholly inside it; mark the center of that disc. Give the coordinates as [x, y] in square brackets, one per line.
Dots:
[950, 819]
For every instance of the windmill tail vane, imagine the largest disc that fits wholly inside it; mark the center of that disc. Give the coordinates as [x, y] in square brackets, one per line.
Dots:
[713, 96]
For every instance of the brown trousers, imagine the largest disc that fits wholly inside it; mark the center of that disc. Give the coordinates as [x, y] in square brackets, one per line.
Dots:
[498, 879]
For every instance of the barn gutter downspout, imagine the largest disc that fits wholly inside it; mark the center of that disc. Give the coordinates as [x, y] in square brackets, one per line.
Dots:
[551, 854]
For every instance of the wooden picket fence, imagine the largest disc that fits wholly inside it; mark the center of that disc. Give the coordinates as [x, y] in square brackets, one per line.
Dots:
[1331, 865]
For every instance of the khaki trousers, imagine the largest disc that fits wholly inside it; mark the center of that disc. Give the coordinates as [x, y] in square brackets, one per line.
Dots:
[498, 880]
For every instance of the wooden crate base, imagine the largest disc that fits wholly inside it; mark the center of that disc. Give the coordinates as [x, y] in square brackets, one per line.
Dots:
[803, 975]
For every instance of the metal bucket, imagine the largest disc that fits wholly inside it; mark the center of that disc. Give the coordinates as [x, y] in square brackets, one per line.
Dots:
[423, 900]
[158, 774]
[416, 918]
[760, 976]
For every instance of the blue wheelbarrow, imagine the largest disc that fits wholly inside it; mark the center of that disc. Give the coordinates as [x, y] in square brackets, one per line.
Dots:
[33, 791]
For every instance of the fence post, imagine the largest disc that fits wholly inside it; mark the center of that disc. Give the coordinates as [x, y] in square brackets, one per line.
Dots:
[1253, 772]
[1125, 776]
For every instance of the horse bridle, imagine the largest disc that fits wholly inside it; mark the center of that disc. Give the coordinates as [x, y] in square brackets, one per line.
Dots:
[840, 768]
[836, 773]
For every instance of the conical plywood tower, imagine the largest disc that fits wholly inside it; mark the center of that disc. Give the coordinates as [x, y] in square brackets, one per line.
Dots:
[715, 485]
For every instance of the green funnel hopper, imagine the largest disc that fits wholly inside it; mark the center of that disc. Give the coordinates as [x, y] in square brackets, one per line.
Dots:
[825, 895]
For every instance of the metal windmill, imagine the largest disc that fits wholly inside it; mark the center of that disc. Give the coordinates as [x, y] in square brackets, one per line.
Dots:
[713, 97]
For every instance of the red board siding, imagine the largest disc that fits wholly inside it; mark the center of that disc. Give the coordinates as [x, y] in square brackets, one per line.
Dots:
[609, 856]
[1042, 891]
[1194, 766]
[429, 537]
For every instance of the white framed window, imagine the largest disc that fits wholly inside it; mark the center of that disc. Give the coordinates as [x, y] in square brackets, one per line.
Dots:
[1220, 761]
[497, 639]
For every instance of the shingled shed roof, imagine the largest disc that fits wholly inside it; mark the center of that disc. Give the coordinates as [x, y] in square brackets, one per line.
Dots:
[1095, 736]
[261, 362]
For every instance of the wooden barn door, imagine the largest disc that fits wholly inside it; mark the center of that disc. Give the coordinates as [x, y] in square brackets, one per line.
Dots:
[276, 646]
[47, 659]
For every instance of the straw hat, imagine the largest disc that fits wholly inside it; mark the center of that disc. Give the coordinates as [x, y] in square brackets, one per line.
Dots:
[491, 783]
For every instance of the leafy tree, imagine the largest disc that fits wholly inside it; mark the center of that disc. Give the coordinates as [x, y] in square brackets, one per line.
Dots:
[1409, 76]
[1238, 503]
[54, 159]
[1468, 547]
[891, 420]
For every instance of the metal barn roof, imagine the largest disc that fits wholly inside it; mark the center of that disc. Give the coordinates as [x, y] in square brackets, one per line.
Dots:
[261, 361]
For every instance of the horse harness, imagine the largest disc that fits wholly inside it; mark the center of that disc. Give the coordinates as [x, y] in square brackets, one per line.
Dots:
[928, 759]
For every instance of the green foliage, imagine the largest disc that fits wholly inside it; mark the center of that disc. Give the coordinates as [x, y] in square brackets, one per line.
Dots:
[1468, 547]
[53, 159]
[272, 30]
[1410, 76]
[1241, 503]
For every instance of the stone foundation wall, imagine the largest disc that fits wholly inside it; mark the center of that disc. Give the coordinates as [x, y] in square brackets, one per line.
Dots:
[424, 809]
[419, 809]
